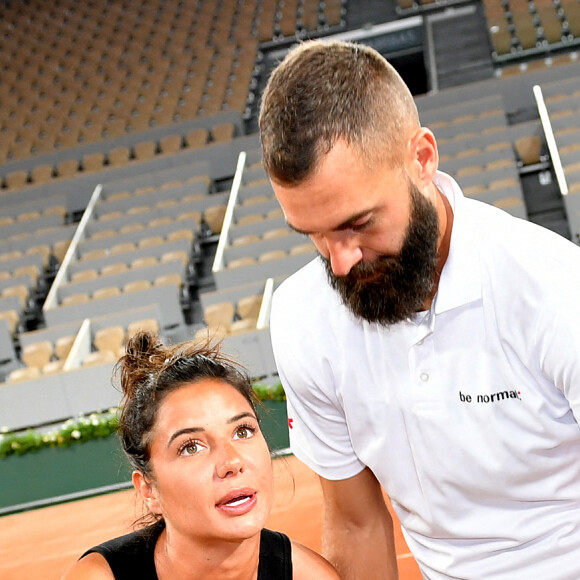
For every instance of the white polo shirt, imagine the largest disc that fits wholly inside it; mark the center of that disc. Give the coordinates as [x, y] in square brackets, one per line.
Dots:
[466, 414]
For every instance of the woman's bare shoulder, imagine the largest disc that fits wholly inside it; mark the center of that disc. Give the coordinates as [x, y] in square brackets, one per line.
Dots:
[307, 564]
[92, 567]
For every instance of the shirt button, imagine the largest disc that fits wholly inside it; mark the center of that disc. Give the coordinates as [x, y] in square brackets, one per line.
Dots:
[424, 377]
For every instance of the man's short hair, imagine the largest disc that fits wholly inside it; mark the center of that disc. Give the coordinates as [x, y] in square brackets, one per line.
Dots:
[325, 91]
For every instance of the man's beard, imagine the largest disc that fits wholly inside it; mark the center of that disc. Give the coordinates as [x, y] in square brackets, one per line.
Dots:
[397, 286]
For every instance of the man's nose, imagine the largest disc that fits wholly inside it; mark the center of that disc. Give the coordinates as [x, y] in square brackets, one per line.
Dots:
[343, 253]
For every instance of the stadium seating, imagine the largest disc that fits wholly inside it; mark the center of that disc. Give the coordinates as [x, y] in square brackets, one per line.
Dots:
[119, 208]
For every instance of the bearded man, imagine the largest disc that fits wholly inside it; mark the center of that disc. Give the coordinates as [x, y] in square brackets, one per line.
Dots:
[432, 350]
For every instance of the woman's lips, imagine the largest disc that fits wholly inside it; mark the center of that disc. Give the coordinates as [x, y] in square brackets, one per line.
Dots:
[238, 502]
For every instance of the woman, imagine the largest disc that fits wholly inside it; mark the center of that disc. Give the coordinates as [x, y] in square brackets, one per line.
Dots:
[202, 467]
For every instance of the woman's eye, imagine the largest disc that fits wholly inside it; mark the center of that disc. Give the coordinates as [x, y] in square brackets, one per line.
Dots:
[190, 448]
[244, 432]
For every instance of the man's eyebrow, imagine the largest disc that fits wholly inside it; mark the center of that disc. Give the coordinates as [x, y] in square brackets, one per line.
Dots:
[345, 225]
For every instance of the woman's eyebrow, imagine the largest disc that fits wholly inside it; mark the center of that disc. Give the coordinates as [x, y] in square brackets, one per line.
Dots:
[189, 430]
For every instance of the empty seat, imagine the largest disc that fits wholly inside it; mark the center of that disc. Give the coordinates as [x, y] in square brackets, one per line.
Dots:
[256, 199]
[110, 338]
[100, 357]
[106, 292]
[223, 132]
[59, 249]
[241, 262]
[84, 275]
[93, 254]
[193, 216]
[12, 318]
[31, 270]
[529, 149]
[52, 367]
[24, 374]
[37, 354]
[28, 216]
[11, 255]
[111, 269]
[174, 255]
[103, 234]
[43, 250]
[249, 219]
[246, 240]
[165, 203]
[17, 179]
[160, 221]
[138, 209]
[469, 170]
[499, 164]
[214, 217]
[171, 184]
[170, 144]
[181, 235]
[144, 190]
[118, 196]
[275, 213]
[151, 241]
[93, 161]
[62, 346]
[21, 291]
[41, 173]
[304, 248]
[243, 325]
[508, 202]
[144, 262]
[73, 299]
[119, 156]
[67, 168]
[136, 285]
[145, 150]
[169, 280]
[505, 183]
[249, 306]
[220, 314]
[122, 248]
[129, 228]
[276, 233]
[272, 255]
[147, 324]
[113, 215]
[196, 138]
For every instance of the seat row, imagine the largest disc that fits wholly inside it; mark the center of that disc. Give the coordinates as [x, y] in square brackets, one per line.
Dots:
[48, 357]
[117, 156]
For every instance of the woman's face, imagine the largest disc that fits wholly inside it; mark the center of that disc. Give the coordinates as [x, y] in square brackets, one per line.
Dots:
[212, 472]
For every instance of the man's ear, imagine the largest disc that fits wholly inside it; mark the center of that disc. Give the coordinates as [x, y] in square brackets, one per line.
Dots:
[147, 490]
[423, 157]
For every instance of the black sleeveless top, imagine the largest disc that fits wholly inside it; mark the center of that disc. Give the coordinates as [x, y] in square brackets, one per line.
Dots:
[131, 556]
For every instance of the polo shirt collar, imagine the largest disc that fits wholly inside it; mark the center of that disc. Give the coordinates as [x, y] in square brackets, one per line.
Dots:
[460, 281]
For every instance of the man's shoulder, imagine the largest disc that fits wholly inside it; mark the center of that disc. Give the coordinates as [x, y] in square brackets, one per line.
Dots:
[498, 230]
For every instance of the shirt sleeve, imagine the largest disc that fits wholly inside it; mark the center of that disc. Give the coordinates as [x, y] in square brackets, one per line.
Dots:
[558, 342]
[319, 434]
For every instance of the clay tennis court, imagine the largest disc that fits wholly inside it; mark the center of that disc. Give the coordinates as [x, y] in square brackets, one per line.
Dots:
[43, 543]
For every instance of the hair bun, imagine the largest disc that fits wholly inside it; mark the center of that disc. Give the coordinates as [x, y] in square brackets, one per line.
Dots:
[144, 356]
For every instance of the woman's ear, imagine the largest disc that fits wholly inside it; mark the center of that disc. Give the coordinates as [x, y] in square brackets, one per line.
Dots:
[424, 156]
[147, 491]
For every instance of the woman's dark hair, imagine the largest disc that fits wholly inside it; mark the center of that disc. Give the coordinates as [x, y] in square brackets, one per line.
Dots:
[149, 371]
